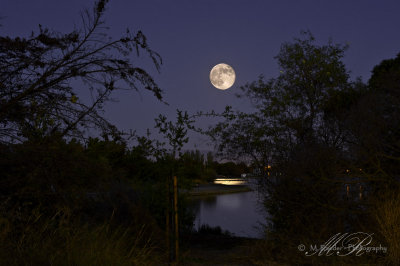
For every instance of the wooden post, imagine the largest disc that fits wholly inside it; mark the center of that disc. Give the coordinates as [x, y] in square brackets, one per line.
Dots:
[167, 219]
[176, 219]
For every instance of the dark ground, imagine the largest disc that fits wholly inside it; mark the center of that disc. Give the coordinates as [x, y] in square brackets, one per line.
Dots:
[200, 249]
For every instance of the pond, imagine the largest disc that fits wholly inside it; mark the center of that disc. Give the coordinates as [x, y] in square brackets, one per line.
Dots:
[239, 213]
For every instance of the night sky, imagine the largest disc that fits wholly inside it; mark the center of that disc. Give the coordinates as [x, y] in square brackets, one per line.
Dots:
[193, 36]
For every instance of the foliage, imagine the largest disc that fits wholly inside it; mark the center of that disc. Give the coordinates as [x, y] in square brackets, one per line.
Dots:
[175, 133]
[37, 95]
[376, 120]
[193, 167]
[58, 189]
[89, 183]
[319, 131]
[205, 229]
[290, 108]
[50, 171]
[231, 169]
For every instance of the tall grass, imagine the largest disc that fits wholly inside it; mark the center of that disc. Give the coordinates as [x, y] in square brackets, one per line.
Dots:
[58, 241]
[387, 214]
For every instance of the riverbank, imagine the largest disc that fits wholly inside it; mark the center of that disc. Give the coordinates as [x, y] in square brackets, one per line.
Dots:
[203, 249]
[214, 189]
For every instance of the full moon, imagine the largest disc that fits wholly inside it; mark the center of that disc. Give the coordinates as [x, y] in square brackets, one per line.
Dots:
[222, 76]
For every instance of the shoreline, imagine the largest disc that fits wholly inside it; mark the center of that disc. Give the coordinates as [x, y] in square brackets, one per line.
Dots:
[217, 189]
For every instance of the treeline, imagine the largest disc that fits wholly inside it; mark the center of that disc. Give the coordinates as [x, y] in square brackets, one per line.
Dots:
[55, 190]
[51, 183]
[204, 168]
[62, 201]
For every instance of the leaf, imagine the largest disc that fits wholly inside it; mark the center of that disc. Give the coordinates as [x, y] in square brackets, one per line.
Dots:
[74, 99]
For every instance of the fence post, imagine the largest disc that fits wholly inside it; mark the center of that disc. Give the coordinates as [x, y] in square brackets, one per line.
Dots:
[167, 219]
[176, 219]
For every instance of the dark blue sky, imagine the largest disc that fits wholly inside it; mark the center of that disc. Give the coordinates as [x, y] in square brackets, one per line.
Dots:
[193, 36]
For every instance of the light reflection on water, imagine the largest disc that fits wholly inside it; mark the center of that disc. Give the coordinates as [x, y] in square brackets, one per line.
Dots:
[240, 213]
[229, 181]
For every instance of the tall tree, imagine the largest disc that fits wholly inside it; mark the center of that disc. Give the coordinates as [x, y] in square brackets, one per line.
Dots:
[291, 109]
[41, 76]
[296, 129]
[374, 124]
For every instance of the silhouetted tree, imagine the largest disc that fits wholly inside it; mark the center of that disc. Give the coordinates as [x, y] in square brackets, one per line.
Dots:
[377, 122]
[375, 125]
[292, 109]
[41, 76]
[296, 129]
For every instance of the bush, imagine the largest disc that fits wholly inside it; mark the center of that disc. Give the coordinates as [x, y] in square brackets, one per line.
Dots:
[205, 229]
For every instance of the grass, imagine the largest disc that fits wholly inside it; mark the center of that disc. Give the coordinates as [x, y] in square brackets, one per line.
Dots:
[57, 241]
[387, 214]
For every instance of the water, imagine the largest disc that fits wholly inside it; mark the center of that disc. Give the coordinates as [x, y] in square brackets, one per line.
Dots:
[239, 213]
